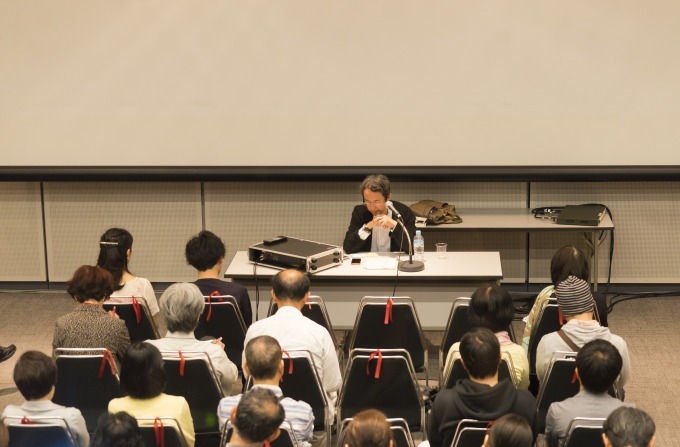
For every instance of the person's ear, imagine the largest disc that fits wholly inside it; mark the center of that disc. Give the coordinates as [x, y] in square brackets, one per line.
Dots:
[462, 362]
[652, 441]
[389, 197]
[578, 376]
[246, 370]
[274, 435]
[605, 441]
[274, 298]
[128, 253]
[232, 415]
[281, 367]
[486, 440]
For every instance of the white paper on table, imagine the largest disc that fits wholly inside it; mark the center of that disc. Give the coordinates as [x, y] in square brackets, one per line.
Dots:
[379, 263]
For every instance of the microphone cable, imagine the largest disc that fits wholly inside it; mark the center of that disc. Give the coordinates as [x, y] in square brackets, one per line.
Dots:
[401, 243]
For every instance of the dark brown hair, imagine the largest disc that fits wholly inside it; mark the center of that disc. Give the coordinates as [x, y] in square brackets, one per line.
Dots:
[89, 282]
[34, 375]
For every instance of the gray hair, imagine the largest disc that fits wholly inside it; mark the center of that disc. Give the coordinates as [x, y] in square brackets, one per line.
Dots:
[376, 183]
[181, 305]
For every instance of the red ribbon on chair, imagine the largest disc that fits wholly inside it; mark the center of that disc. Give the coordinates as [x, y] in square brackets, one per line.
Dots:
[309, 305]
[210, 297]
[290, 361]
[378, 366]
[266, 443]
[25, 420]
[182, 362]
[560, 316]
[159, 432]
[137, 309]
[107, 357]
[388, 311]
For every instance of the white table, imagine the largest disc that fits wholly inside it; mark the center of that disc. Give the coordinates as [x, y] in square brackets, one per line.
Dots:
[522, 220]
[342, 287]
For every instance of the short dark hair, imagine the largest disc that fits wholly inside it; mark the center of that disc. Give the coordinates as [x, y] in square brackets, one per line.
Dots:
[480, 352]
[35, 374]
[599, 363]
[290, 285]
[369, 428]
[376, 183]
[629, 427]
[89, 282]
[569, 261]
[511, 430]
[142, 375]
[204, 250]
[113, 247]
[491, 307]
[263, 357]
[117, 430]
[258, 415]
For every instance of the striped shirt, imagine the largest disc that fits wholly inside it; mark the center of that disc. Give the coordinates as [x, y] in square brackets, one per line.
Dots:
[298, 413]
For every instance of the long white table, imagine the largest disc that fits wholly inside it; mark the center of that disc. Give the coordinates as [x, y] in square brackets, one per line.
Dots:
[522, 220]
[342, 287]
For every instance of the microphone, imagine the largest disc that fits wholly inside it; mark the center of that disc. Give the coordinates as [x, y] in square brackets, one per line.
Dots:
[391, 207]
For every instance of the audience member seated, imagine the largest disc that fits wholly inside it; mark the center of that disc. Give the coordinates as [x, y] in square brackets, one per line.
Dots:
[264, 363]
[35, 375]
[117, 430]
[256, 418]
[491, 307]
[628, 427]
[482, 396]
[181, 307]
[598, 365]
[290, 290]
[567, 261]
[89, 325]
[369, 428]
[205, 252]
[576, 304]
[115, 250]
[510, 430]
[142, 378]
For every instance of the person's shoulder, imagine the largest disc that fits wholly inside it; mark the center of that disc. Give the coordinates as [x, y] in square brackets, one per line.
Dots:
[524, 397]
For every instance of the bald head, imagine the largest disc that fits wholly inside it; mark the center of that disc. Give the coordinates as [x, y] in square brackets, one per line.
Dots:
[290, 285]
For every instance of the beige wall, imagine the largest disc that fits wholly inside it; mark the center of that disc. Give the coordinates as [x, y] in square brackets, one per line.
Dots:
[162, 216]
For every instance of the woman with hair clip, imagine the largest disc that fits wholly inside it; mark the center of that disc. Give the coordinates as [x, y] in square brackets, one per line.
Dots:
[115, 250]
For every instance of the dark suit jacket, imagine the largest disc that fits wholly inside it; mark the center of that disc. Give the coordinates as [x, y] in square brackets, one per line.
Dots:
[361, 215]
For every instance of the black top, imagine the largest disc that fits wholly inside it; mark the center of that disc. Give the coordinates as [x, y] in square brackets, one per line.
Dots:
[361, 216]
[210, 285]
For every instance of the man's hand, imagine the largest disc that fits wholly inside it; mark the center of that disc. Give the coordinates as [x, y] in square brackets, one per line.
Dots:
[382, 221]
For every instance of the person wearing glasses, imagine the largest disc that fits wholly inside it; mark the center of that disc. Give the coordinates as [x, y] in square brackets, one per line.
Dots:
[373, 226]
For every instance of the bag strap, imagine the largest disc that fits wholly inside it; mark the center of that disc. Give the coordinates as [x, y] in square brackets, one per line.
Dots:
[568, 340]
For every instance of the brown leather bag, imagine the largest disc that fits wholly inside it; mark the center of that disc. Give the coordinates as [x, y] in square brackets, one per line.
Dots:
[435, 212]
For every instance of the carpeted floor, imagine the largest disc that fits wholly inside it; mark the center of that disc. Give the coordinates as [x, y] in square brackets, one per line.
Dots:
[648, 325]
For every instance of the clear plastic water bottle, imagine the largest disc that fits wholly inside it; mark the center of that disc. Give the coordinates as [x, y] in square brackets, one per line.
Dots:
[419, 247]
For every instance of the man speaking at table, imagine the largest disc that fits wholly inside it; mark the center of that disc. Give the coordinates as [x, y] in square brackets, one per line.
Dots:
[374, 225]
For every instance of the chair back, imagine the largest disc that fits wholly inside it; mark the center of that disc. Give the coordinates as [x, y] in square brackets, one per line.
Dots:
[584, 432]
[301, 382]
[505, 371]
[135, 313]
[399, 427]
[384, 380]
[548, 321]
[469, 433]
[43, 431]
[222, 317]
[390, 323]
[191, 375]
[161, 432]
[560, 383]
[88, 380]
[315, 310]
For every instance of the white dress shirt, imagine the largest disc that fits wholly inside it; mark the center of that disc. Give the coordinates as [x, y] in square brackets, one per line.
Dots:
[295, 331]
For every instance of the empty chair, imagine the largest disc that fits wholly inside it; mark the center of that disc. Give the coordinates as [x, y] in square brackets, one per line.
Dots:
[505, 371]
[390, 323]
[222, 318]
[45, 431]
[135, 312]
[87, 380]
[384, 380]
[161, 431]
[584, 432]
[191, 375]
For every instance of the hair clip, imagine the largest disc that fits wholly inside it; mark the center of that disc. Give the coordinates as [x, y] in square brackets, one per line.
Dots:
[108, 243]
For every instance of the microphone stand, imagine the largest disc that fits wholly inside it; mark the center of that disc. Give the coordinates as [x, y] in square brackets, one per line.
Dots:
[410, 265]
